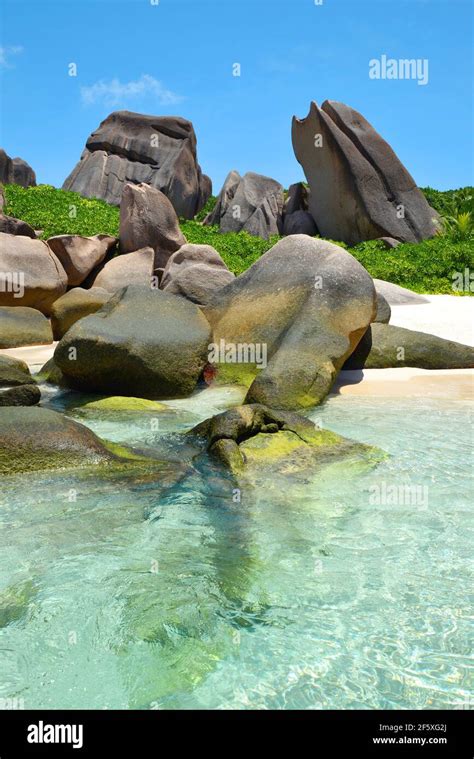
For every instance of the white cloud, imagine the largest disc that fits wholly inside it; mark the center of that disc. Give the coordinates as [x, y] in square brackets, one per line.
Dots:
[115, 92]
[6, 53]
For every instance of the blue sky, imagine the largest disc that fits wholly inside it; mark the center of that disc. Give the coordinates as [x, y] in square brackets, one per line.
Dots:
[176, 58]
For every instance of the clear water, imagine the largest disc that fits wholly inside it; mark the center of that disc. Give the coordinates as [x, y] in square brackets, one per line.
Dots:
[165, 593]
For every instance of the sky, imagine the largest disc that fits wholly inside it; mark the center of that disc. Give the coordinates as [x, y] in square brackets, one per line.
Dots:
[177, 57]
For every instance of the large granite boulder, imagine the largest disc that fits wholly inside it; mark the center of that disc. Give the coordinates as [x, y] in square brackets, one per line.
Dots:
[257, 440]
[132, 147]
[196, 272]
[289, 322]
[14, 372]
[135, 268]
[359, 188]
[81, 255]
[16, 171]
[147, 219]
[21, 326]
[297, 198]
[30, 273]
[75, 305]
[33, 439]
[12, 226]
[253, 203]
[299, 223]
[385, 346]
[143, 342]
[398, 296]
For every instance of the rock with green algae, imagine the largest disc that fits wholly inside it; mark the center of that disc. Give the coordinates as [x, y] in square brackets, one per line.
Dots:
[124, 403]
[256, 439]
[51, 373]
[15, 600]
[34, 439]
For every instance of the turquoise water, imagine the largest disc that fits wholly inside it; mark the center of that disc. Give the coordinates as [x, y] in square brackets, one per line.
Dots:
[164, 592]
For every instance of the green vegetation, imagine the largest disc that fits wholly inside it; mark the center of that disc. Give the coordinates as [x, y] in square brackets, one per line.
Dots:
[238, 249]
[427, 267]
[58, 212]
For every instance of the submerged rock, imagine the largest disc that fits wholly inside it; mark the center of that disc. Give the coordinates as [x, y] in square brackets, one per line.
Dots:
[123, 403]
[385, 346]
[33, 439]
[260, 439]
[143, 342]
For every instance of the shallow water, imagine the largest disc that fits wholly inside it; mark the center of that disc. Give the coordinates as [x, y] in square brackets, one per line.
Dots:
[339, 591]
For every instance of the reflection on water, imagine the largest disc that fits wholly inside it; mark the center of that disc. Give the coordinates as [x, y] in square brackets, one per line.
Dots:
[133, 591]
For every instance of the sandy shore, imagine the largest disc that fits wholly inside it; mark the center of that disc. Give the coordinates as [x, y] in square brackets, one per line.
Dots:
[455, 384]
[448, 316]
[34, 355]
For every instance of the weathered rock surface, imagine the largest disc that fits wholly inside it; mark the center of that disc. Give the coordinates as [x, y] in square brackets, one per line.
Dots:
[14, 372]
[307, 302]
[11, 226]
[30, 273]
[79, 256]
[147, 219]
[384, 311]
[21, 395]
[16, 171]
[75, 305]
[33, 439]
[135, 268]
[299, 223]
[253, 203]
[133, 147]
[195, 272]
[144, 343]
[398, 296]
[297, 198]
[385, 346]
[260, 439]
[359, 188]
[23, 326]
[226, 195]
